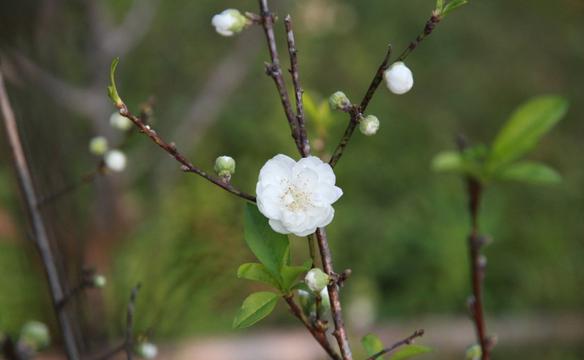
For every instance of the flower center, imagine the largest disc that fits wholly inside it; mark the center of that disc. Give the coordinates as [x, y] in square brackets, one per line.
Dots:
[296, 199]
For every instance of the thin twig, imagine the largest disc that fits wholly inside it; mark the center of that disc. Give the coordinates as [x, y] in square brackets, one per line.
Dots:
[407, 341]
[298, 91]
[129, 340]
[85, 179]
[327, 263]
[377, 79]
[187, 166]
[274, 70]
[319, 336]
[40, 236]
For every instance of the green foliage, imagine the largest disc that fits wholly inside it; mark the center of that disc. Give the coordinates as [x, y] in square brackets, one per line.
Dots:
[372, 345]
[319, 113]
[410, 351]
[518, 136]
[451, 6]
[257, 272]
[112, 89]
[290, 275]
[255, 307]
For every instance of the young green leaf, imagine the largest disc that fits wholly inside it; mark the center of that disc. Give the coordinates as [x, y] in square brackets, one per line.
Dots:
[290, 274]
[529, 172]
[111, 89]
[452, 5]
[255, 307]
[439, 5]
[372, 345]
[525, 127]
[409, 351]
[257, 272]
[271, 248]
[448, 161]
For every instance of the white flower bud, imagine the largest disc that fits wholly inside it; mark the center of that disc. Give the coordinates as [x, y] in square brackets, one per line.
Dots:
[98, 145]
[474, 352]
[369, 125]
[339, 101]
[225, 166]
[399, 78]
[229, 22]
[120, 122]
[147, 350]
[99, 281]
[325, 302]
[115, 160]
[316, 280]
[35, 335]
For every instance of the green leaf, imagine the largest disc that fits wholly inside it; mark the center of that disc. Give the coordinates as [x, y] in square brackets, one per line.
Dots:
[111, 89]
[409, 351]
[525, 127]
[452, 5]
[255, 307]
[529, 172]
[439, 5]
[372, 345]
[257, 272]
[448, 161]
[271, 248]
[290, 274]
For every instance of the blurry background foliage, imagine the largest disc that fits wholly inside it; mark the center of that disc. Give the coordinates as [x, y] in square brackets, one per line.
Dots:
[400, 227]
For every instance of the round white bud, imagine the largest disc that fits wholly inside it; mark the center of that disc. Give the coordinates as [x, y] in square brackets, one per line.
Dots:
[115, 160]
[399, 78]
[339, 101]
[225, 166]
[325, 302]
[120, 122]
[99, 281]
[369, 125]
[98, 145]
[35, 335]
[147, 350]
[316, 280]
[229, 22]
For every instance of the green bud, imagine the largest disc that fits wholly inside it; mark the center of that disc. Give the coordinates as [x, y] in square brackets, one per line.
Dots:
[35, 335]
[325, 302]
[369, 125]
[474, 352]
[99, 281]
[316, 280]
[225, 166]
[339, 101]
[146, 350]
[98, 145]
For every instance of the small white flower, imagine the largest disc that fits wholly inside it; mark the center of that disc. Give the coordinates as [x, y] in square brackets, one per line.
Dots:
[229, 22]
[99, 281]
[120, 122]
[369, 125]
[115, 160]
[316, 280]
[297, 196]
[98, 145]
[147, 350]
[399, 78]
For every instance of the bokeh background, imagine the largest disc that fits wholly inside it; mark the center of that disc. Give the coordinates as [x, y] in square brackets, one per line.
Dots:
[400, 227]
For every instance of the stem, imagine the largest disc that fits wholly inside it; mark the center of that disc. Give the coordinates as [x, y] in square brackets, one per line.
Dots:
[407, 341]
[274, 70]
[129, 341]
[327, 263]
[319, 336]
[187, 166]
[40, 235]
[85, 179]
[298, 91]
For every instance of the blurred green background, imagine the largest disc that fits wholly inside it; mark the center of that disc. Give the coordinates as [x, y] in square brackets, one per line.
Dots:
[400, 227]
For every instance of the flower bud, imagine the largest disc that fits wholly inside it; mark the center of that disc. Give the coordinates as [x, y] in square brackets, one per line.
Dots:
[35, 335]
[399, 78]
[115, 160]
[225, 166]
[339, 101]
[98, 145]
[325, 302]
[369, 125]
[99, 281]
[120, 122]
[229, 22]
[147, 350]
[316, 280]
[474, 352]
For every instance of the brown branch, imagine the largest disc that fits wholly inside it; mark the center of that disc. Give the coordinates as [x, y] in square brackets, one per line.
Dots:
[327, 263]
[39, 231]
[298, 91]
[187, 166]
[377, 79]
[274, 70]
[407, 341]
[318, 335]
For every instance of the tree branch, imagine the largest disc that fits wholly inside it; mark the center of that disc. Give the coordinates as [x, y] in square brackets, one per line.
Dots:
[407, 341]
